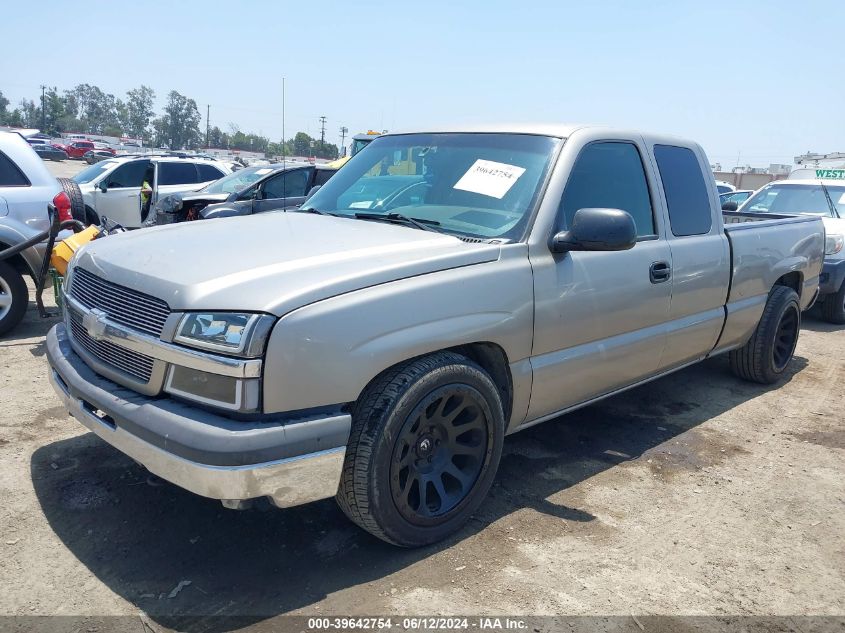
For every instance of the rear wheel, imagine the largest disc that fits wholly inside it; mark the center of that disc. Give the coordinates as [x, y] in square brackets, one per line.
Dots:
[13, 297]
[425, 444]
[833, 306]
[766, 355]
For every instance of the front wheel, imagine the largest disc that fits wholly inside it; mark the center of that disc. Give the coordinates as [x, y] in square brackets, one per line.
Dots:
[833, 306]
[766, 355]
[424, 447]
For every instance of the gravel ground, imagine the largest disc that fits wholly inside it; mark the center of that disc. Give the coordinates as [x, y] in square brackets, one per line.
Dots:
[694, 495]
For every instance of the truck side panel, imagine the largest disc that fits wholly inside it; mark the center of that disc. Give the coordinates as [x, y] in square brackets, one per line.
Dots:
[761, 254]
[325, 353]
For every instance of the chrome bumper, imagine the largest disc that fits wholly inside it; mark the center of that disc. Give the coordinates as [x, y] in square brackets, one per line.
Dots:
[112, 413]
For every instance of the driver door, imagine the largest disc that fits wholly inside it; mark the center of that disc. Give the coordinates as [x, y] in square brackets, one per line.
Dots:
[286, 190]
[121, 200]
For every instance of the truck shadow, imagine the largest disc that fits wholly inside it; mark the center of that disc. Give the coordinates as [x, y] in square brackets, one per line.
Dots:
[812, 320]
[141, 537]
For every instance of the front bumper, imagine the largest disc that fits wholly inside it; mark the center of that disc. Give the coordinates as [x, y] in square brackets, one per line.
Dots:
[832, 276]
[292, 461]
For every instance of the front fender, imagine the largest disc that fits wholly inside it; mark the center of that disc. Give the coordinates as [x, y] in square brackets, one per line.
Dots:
[327, 352]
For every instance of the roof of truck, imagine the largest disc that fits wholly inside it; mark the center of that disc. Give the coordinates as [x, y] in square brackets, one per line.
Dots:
[561, 130]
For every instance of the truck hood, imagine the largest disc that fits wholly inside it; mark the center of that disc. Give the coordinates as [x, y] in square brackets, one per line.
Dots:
[212, 198]
[274, 262]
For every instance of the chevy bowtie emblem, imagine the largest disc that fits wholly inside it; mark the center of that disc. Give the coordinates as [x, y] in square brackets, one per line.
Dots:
[94, 323]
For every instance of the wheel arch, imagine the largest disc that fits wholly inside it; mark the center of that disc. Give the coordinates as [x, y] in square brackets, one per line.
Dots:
[794, 280]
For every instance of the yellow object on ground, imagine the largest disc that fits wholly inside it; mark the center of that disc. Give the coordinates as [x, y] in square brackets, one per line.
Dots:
[64, 250]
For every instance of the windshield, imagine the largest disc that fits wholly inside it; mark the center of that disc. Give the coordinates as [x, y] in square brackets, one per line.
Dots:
[358, 144]
[480, 185]
[796, 199]
[91, 173]
[239, 180]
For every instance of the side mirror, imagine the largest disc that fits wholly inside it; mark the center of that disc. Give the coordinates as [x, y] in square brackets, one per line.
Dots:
[597, 230]
[102, 186]
[730, 205]
[312, 191]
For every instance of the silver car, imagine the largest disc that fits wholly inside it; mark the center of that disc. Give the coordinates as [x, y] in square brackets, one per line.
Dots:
[442, 290]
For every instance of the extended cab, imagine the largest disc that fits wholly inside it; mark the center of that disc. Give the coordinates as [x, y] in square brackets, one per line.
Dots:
[379, 343]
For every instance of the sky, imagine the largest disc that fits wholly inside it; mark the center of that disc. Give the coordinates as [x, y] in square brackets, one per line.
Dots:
[753, 82]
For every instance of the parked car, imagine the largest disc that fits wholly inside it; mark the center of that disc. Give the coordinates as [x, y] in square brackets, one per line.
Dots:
[249, 190]
[26, 188]
[734, 198]
[96, 155]
[50, 152]
[724, 187]
[817, 198]
[78, 149]
[382, 354]
[112, 188]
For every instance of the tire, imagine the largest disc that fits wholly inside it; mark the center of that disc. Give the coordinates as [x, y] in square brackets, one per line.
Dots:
[91, 217]
[767, 354]
[403, 441]
[14, 297]
[833, 306]
[77, 203]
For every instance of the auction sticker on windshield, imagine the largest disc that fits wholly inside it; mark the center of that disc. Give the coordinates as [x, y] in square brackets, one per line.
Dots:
[489, 178]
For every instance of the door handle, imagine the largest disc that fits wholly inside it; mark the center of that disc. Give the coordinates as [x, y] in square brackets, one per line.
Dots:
[659, 272]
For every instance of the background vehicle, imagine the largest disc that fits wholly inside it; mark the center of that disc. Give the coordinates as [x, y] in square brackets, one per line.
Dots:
[96, 155]
[819, 198]
[112, 188]
[26, 188]
[383, 354]
[50, 152]
[735, 197]
[249, 190]
[724, 187]
[77, 149]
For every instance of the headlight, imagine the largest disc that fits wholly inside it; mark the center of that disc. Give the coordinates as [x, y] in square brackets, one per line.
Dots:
[234, 333]
[833, 244]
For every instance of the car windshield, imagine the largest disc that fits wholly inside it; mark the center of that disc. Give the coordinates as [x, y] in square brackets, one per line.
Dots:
[797, 199]
[91, 173]
[480, 185]
[239, 180]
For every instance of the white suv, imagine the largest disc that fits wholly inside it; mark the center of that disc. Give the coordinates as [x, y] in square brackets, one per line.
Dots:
[112, 188]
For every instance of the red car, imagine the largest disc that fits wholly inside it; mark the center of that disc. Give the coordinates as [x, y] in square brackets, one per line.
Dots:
[77, 149]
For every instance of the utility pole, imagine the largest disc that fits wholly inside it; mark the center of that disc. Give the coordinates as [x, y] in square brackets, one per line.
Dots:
[207, 124]
[43, 110]
[322, 132]
[283, 121]
[343, 132]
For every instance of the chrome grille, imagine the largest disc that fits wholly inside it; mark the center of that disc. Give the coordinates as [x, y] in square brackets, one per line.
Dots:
[124, 306]
[137, 365]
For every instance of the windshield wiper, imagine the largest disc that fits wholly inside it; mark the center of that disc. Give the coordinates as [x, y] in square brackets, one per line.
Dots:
[830, 201]
[315, 210]
[420, 223]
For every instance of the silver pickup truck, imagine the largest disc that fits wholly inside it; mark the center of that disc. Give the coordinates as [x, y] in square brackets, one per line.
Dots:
[442, 290]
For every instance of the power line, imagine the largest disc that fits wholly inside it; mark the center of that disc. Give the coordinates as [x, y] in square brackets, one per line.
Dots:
[343, 132]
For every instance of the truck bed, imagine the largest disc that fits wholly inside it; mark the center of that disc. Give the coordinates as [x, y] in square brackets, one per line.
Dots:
[765, 248]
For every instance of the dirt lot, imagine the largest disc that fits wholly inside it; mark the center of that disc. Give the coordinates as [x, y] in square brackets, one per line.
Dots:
[694, 495]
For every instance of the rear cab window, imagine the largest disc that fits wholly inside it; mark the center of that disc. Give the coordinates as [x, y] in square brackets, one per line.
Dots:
[686, 191]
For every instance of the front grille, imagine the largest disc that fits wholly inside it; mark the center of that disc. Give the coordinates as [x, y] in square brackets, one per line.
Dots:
[122, 305]
[137, 365]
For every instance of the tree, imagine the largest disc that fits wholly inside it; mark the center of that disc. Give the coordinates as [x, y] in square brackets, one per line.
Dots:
[139, 112]
[218, 138]
[4, 111]
[302, 144]
[178, 127]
